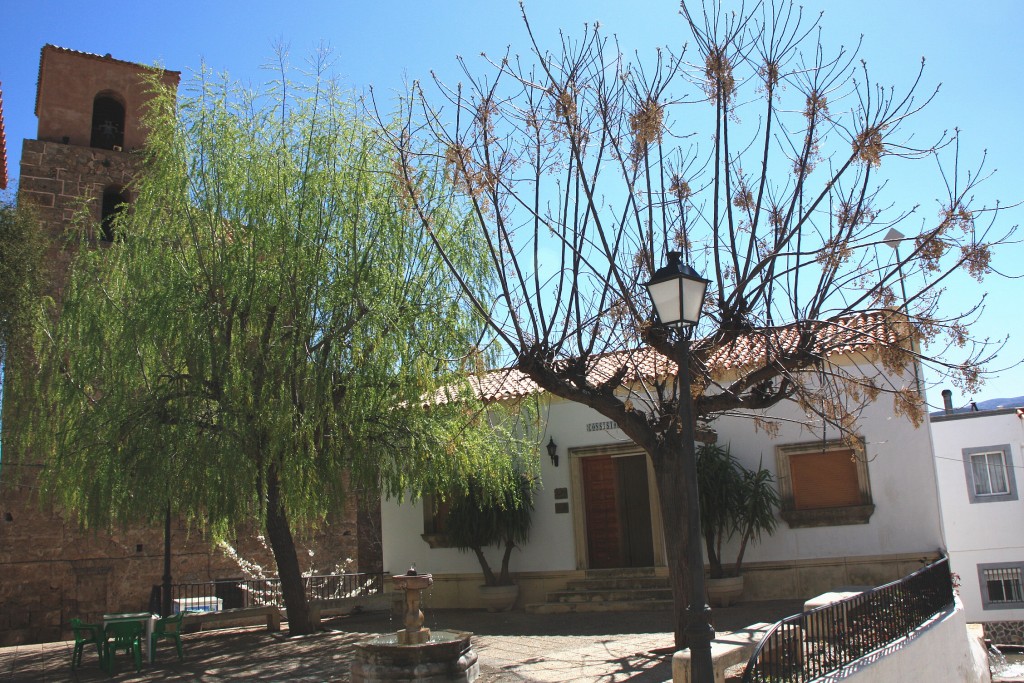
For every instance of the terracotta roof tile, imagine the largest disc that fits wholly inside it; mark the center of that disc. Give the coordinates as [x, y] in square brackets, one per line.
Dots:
[845, 335]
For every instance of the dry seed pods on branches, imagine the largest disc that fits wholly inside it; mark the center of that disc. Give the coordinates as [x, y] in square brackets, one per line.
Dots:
[762, 155]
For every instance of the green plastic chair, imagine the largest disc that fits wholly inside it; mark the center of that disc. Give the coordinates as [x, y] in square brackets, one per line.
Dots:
[123, 636]
[168, 627]
[86, 634]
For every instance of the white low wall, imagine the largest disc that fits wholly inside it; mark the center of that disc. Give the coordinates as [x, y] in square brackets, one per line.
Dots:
[942, 650]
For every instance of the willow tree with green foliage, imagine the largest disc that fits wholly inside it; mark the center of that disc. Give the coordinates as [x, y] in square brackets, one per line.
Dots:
[21, 279]
[764, 157]
[258, 339]
[21, 250]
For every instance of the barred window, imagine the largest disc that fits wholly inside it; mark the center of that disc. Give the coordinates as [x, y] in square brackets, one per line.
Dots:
[1002, 585]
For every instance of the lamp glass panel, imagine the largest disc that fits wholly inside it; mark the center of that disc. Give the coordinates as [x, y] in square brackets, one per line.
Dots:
[665, 295]
[693, 300]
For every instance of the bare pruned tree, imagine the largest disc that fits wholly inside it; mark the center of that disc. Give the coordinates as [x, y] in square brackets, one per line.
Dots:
[758, 154]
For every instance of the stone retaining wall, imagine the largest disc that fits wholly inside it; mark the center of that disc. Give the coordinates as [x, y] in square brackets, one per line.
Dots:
[1004, 632]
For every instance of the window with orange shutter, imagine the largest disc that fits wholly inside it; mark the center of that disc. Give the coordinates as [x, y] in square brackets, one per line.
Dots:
[823, 484]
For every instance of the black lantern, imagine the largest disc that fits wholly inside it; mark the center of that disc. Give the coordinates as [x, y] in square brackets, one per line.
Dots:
[677, 292]
[553, 451]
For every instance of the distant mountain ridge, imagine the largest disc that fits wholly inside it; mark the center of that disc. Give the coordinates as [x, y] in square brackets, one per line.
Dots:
[990, 404]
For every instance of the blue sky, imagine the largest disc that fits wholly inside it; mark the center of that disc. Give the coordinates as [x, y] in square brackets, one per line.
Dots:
[975, 53]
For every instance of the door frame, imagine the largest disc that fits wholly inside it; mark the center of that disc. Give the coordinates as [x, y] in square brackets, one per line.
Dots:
[579, 521]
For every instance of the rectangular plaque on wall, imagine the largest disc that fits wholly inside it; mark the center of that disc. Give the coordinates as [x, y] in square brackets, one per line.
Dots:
[561, 508]
[561, 494]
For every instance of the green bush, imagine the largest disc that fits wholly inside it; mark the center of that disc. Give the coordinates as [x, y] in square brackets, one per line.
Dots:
[477, 520]
[733, 501]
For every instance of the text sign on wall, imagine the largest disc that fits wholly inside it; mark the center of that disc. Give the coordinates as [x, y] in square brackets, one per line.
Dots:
[601, 426]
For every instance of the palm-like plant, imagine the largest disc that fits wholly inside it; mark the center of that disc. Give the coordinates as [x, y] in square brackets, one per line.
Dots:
[734, 501]
[478, 519]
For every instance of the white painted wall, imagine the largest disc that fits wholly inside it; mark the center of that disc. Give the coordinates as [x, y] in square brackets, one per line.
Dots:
[906, 517]
[551, 537]
[979, 533]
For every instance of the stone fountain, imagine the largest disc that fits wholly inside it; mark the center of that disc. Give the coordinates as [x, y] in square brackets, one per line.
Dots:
[413, 584]
[414, 654]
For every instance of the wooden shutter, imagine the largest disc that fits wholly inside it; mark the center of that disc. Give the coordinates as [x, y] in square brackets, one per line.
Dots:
[824, 480]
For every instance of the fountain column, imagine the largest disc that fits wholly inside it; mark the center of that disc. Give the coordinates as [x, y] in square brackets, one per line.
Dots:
[413, 583]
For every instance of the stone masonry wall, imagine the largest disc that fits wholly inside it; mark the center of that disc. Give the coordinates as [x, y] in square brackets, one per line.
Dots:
[1005, 632]
[51, 570]
[61, 181]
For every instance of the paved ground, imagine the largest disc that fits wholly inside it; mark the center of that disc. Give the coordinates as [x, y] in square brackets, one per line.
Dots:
[513, 647]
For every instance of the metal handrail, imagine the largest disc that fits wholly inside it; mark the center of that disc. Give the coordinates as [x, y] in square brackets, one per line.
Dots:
[231, 593]
[812, 644]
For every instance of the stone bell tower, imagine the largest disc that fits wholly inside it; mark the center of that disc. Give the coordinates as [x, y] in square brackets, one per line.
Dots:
[90, 110]
[82, 159]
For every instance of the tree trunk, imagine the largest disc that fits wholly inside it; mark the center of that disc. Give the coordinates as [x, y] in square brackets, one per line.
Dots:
[673, 503]
[675, 463]
[714, 558]
[281, 542]
[505, 579]
[739, 555]
[489, 579]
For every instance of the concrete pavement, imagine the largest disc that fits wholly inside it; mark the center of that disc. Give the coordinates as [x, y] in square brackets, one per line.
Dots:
[608, 647]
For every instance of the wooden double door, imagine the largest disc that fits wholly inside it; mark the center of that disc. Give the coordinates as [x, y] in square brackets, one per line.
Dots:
[617, 509]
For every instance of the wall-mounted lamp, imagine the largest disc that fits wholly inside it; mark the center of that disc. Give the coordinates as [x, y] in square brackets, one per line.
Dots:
[553, 451]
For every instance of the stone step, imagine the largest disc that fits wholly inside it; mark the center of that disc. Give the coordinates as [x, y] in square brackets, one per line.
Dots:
[618, 583]
[623, 606]
[626, 595]
[609, 590]
[619, 573]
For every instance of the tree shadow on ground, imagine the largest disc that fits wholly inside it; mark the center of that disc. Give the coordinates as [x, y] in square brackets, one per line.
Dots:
[520, 623]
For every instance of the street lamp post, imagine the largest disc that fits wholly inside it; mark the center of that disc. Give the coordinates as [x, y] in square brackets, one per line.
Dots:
[165, 593]
[677, 292]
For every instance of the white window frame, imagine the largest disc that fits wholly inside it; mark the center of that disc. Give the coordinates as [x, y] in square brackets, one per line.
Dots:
[1004, 450]
[1012, 572]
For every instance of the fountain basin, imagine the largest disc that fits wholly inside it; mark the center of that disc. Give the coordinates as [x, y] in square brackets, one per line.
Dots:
[412, 582]
[447, 656]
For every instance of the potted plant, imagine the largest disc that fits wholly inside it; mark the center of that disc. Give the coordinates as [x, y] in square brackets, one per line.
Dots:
[734, 501]
[478, 519]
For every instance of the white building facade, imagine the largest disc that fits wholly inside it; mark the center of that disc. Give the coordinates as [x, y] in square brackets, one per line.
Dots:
[847, 519]
[978, 460]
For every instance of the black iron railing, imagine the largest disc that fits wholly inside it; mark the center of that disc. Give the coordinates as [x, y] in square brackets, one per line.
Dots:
[232, 593]
[815, 643]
